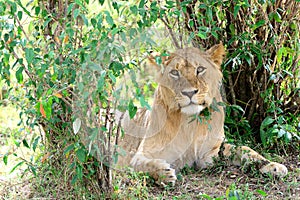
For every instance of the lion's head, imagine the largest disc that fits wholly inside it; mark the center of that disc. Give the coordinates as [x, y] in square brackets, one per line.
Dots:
[190, 79]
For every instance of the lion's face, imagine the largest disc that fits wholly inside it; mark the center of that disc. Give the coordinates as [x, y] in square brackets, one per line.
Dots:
[190, 79]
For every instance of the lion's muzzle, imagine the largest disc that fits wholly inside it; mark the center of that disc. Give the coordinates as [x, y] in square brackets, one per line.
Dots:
[191, 101]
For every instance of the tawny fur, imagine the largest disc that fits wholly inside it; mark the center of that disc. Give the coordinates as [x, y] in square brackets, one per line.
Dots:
[166, 138]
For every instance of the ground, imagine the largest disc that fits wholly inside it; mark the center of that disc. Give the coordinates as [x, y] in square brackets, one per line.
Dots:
[218, 182]
[221, 182]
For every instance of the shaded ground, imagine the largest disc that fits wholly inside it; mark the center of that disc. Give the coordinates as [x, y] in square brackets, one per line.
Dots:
[222, 182]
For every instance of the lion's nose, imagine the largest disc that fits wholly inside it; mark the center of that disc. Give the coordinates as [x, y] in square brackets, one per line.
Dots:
[189, 93]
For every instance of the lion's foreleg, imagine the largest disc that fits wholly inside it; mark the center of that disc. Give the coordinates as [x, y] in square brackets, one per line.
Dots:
[245, 155]
[159, 169]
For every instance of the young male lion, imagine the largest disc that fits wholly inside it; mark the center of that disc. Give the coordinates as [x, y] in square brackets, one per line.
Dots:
[164, 139]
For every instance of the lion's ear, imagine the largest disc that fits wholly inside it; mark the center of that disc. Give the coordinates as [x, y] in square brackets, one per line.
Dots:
[217, 53]
[157, 60]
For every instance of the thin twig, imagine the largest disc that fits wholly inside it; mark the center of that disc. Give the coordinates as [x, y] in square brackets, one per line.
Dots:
[171, 33]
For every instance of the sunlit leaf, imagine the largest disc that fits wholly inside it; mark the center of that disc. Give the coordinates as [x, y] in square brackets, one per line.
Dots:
[261, 192]
[109, 19]
[19, 74]
[29, 55]
[58, 95]
[76, 125]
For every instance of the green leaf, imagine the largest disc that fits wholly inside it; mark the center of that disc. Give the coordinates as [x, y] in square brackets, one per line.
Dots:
[261, 192]
[81, 155]
[47, 105]
[74, 179]
[29, 55]
[263, 134]
[25, 143]
[35, 143]
[70, 8]
[54, 27]
[134, 9]
[17, 143]
[19, 74]
[158, 60]
[206, 196]
[79, 173]
[20, 14]
[123, 36]
[112, 77]
[236, 10]
[68, 149]
[132, 32]
[6, 37]
[108, 18]
[258, 24]
[209, 13]
[101, 2]
[277, 17]
[33, 169]
[94, 22]
[237, 108]
[16, 166]
[267, 121]
[131, 109]
[144, 103]
[202, 35]
[142, 4]
[5, 157]
[25, 10]
[81, 4]
[37, 10]
[76, 13]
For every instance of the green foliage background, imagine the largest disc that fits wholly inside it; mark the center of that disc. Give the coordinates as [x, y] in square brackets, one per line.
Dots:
[69, 58]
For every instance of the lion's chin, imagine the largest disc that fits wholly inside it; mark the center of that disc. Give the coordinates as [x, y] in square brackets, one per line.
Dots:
[192, 109]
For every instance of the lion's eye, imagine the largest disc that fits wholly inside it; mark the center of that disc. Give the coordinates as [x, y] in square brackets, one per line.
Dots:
[201, 70]
[174, 73]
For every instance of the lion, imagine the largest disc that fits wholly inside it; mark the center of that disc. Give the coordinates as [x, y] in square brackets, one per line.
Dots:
[174, 133]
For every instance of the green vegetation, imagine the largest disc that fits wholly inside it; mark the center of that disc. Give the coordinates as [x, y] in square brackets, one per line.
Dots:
[67, 65]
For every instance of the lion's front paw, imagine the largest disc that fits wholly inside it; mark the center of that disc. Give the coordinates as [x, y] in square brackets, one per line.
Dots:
[165, 175]
[275, 168]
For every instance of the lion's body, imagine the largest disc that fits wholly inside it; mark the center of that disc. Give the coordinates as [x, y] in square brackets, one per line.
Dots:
[170, 135]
